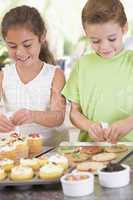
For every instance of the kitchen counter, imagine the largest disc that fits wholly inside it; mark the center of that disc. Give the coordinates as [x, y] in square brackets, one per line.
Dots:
[54, 192]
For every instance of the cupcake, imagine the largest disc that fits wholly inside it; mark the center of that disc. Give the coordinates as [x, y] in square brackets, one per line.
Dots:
[33, 163]
[2, 174]
[59, 160]
[8, 151]
[43, 161]
[51, 171]
[21, 173]
[22, 148]
[7, 164]
[35, 142]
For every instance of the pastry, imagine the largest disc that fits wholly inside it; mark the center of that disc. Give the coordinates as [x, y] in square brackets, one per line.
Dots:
[118, 148]
[22, 149]
[43, 161]
[33, 163]
[35, 142]
[50, 171]
[8, 151]
[103, 157]
[21, 173]
[7, 164]
[59, 159]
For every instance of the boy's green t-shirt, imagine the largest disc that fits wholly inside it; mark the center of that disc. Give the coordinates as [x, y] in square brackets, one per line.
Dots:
[103, 88]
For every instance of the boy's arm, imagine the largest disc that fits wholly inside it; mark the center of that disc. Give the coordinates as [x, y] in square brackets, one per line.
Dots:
[80, 121]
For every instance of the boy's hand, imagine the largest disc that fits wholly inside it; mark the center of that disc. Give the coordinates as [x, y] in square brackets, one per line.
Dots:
[22, 116]
[96, 132]
[117, 130]
[6, 125]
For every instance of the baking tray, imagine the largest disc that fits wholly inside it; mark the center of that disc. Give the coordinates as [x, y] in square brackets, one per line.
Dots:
[47, 151]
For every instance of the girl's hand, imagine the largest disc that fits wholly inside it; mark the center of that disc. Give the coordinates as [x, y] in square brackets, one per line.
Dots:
[118, 130]
[23, 116]
[96, 132]
[6, 125]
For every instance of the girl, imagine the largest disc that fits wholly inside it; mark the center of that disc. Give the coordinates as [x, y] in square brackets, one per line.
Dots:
[30, 88]
[100, 86]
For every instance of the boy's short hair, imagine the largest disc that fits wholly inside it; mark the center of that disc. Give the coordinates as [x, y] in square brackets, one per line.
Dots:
[102, 11]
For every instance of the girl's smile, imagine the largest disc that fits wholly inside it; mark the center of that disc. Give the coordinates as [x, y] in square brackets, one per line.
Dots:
[24, 46]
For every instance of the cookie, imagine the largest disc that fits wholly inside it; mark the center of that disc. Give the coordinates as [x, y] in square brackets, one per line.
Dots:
[90, 166]
[118, 148]
[91, 149]
[103, 157]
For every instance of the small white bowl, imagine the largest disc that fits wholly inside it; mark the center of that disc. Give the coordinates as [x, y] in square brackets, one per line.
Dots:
[115, 179]
[75, 188]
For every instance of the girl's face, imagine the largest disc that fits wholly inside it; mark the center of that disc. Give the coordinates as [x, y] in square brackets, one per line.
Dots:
[23, 45]
[106, 38]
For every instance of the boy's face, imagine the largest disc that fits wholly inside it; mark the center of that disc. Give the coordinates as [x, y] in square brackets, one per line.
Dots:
[106, 38]
[23, 45]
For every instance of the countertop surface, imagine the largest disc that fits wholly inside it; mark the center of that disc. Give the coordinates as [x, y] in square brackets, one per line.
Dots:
[54, 192]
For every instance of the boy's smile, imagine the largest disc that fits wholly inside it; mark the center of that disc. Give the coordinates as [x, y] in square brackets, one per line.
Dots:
[106, 39]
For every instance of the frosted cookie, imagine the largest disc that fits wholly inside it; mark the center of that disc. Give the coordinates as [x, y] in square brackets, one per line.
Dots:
[20, 173]
[103, 157]
[66, 149]
[7, 164]
[90, 166]
[91, 149]
[33, 163]
[51, 171]
[118, 148]
[2, 174]
[59, 159]
[78, 157]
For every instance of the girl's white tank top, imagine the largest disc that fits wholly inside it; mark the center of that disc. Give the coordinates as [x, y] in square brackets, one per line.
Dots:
[35, 95]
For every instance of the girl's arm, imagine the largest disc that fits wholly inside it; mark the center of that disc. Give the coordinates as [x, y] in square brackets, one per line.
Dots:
[80, 121]
[5, 124]
[55, 115]
[1, 78]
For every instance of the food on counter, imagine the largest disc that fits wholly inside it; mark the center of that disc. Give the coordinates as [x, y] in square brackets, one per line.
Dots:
[66, 149]
[43, 161]
[7, 164]
[90, 166]
[116, 148]
[78, 157]
[113, 167]
[76, 177]
[59, 160]
[35, 142]
[91, 149]
[21, 173]
[8, 151]
[14, 146]
[2, 174]
[51, 171]
[103, 157]
[33, 163]
[22, 148]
